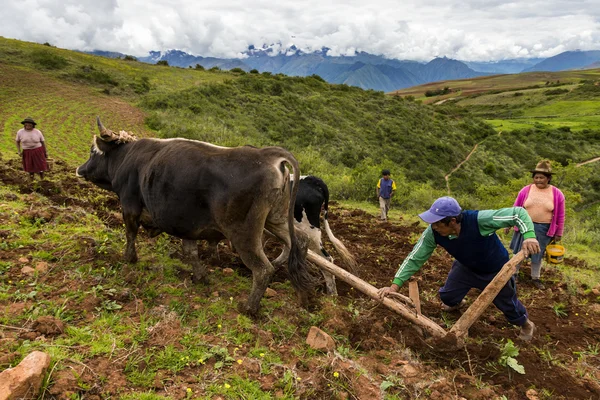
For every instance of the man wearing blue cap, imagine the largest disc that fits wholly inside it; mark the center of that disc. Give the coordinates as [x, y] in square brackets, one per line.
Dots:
[470, 237]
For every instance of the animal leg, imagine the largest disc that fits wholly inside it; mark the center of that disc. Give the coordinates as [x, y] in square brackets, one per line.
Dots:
[131, 229]
[190, 254]
[330, 286]
[262, 272]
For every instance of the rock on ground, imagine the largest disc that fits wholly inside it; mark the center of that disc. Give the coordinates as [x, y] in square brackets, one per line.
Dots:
[25, 380]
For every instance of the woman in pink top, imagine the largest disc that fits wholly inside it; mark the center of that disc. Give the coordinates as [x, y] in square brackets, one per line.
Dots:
[32, 149]
[545, 204]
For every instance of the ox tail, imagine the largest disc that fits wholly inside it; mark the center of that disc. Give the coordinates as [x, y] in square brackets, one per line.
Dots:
[300, 277]
[346, 256]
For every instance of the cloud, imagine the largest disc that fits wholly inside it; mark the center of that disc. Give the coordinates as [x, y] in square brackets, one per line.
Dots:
[412, 29]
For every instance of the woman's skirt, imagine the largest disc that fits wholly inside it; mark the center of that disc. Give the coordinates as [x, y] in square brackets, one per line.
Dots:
[541, 234]
[34, 160]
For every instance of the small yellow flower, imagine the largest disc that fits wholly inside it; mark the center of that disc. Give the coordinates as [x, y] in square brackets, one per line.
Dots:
[189, 390]
[227, 386]
[9, 281]
[200, 361]
[262, 354]
[219, 326]
[298, 379]
[336, 374]
[577, 314]
[240, 362]
[231, 299]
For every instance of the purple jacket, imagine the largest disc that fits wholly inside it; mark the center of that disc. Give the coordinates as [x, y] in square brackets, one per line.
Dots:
[558, 217]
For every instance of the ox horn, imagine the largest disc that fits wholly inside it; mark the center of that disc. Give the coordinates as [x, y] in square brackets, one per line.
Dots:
[106, 134]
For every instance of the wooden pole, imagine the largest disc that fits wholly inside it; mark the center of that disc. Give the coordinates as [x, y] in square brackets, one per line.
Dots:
[413, 293]
[371, 291]
[461, 327]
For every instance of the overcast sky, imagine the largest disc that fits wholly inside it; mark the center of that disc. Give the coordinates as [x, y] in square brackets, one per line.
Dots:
[472, 30]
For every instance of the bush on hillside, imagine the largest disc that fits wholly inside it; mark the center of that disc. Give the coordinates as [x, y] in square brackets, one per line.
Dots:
[437, 92]
[91, 74]
[130, 58]
[164, 63]
[587, 90]
[141, 86]
[199, 67]
[49, 60]
[237, 70]
[554, 92]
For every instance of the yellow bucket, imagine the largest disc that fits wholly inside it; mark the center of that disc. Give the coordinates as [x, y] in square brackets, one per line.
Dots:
[555, 253]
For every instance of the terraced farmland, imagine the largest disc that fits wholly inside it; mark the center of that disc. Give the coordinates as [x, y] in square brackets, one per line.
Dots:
[522, 101]
[62, 110]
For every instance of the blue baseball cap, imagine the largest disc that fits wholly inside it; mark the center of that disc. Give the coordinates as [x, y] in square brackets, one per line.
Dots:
[441, 208]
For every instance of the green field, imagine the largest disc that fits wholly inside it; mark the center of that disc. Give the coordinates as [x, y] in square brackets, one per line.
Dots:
[523, 101]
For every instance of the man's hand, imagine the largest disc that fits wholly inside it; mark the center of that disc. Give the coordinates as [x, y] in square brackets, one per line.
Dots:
[507, 229]
[557, 238]
[530, 246]
[385, 291]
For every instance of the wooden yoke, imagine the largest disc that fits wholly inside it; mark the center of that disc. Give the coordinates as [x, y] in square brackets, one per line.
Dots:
[434, 329]
[461, 327]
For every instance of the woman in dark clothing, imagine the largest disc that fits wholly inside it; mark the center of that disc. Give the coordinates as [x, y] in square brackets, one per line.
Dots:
[32, 149]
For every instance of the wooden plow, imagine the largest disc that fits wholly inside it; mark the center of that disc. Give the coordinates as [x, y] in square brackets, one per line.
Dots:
[412, 310]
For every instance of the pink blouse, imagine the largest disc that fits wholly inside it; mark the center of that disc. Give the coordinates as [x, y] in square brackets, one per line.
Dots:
[29, 139]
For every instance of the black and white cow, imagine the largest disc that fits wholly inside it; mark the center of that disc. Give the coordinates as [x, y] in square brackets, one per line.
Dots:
[311, 200]
[195, 190]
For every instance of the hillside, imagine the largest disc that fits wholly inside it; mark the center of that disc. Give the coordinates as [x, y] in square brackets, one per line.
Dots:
[343, 134]
[335, 130]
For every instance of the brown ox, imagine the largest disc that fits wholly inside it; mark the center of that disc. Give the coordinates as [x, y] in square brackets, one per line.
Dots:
[195, 190]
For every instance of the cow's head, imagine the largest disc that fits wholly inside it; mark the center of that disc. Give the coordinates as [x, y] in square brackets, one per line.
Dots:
[95, 169]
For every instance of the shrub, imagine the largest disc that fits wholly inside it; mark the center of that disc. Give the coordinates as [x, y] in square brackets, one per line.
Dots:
[130, 58]
[199, 67]
[254, 71]
[91, 74]
[237, 70]
[142, 86]
[555, 92]
[163, 62]
[437, 92]
[49, 60]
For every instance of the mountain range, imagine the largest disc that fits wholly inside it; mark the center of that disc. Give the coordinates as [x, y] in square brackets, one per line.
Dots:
[366, 70]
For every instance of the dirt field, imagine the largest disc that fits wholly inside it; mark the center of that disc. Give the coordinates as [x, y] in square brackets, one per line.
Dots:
[562, 362]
